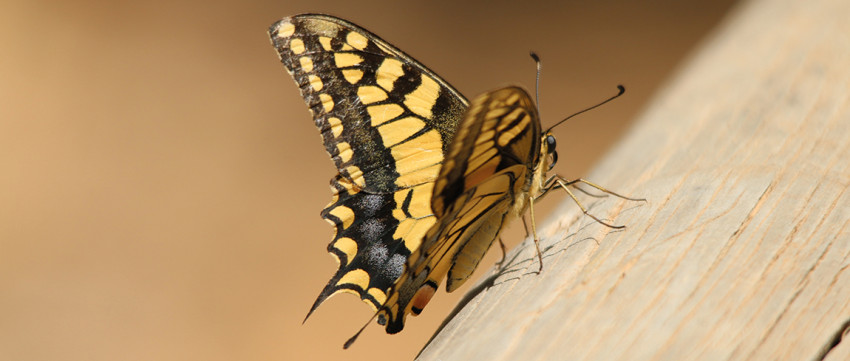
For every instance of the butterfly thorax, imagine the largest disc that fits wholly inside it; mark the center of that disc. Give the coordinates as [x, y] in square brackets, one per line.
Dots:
[537, 178]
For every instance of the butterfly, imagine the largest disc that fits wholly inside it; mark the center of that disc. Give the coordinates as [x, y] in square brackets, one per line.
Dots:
[427, 179]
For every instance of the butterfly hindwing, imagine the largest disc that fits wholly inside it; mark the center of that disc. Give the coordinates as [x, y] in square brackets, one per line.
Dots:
[387, 121]
[485, 180]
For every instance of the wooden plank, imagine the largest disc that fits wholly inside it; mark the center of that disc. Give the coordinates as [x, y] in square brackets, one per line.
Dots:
[743, 250]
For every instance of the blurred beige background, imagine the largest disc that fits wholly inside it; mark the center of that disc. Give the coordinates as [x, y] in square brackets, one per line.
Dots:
[161, 178]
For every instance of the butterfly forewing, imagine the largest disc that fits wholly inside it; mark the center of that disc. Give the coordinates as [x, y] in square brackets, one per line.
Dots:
[386, 121]
[485, 180]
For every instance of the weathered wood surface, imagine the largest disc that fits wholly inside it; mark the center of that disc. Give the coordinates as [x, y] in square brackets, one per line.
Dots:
[743, 250]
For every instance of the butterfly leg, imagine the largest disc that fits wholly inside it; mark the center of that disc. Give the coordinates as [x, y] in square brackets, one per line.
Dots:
[534, 232]
[565, 185]
[504, 251]
[584, 210]
[580, 180]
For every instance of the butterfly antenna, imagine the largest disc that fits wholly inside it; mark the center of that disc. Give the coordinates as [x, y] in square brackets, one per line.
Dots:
[537, 83]
[354, 338]
[620, 87]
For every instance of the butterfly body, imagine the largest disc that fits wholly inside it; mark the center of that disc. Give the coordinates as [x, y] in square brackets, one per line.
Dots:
[427, 179]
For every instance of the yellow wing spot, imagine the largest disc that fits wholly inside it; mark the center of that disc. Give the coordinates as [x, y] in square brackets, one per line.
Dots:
[326, 43]
[380, 114]
[349, 187]
[427, 142]
[357, 40]
[399, 214]
[425, 174]
[297, 46]
[485, 137]
[403, 228]
[419, 207]
[344, 151]
[327, 102]
[315, 82]
[356, 175]
[512, 133]
[513, 98]
[399, 198]
[418, 160]
[388, 72]
[352, 75]
[417, 233]
[344, 214]
[306, 64]
[420, 202]
[285, 30]
[370, 94]
[346, 47]
[496, 112]
[421, 100]
[336, 126]
[399, 130]
[410, 167]
[379, 295]
[345, 60]
[508, 119]
[357, 277]
[348, 246]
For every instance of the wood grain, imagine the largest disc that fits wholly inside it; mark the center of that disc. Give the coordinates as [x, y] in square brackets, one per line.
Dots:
[742, 251]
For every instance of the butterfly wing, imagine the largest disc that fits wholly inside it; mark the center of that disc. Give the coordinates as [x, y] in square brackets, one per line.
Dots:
[386, 120]
[485, 180]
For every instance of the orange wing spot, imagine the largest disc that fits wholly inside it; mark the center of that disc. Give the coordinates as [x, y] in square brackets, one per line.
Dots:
[422, 297]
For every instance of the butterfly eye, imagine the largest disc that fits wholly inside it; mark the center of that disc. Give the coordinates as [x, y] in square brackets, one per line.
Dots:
[550, 143]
